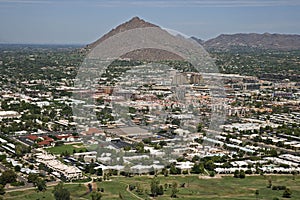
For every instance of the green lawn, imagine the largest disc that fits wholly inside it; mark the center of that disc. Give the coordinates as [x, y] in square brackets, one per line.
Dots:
[113, 188]
[69, 148]
[218, 188]
[77, 191]
[228, 188]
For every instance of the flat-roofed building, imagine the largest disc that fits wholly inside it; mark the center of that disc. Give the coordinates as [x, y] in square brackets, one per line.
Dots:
[9, 115]
[69, 172]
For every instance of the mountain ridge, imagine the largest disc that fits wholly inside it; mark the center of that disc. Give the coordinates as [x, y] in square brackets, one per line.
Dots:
[271, 41]
[223, 42]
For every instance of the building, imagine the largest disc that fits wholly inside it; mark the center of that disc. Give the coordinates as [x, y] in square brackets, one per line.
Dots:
[9, 115]
[69, 172]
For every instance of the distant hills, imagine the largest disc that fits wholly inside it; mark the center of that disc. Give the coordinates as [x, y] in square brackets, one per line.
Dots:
[223, 42]
[269, 41]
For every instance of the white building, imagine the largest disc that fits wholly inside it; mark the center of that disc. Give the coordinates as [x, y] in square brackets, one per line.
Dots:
[70, 172]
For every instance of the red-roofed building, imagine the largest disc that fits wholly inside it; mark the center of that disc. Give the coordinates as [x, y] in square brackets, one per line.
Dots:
[62, 137]
[46, 140]
[92, 131]
[45, 143]
[32, 137]
[67, 137]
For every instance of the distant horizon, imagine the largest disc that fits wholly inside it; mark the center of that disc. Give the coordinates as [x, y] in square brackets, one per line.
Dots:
[84, 44]
[83, 22]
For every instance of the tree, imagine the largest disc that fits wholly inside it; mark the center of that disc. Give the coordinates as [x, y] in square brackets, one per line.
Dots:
[242, 174]
[236, 174]
[96, 195]
[2, 157]
[154, 187]
[2, 190]
[32, 178]
[174, 190]
[199, 127]
[294, 173]
[173, 169]
[8, 176]
[17, 168]
[198, 168]
[256, 193]
[60, 192]
[287, 193]
[99, 172]
[40, 184]
[160, 190]
[209, 165]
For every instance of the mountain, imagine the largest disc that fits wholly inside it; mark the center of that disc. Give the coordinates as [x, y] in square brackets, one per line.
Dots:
[253, 41]
[135, 22]
[223, 42]
[141, 54]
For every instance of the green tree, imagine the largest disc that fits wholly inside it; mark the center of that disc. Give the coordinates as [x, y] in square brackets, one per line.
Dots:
[200, 127]
[96, 195]
[174, 190]
[17, 168]
[154, 187]
[242, 174]
[287, 193]
[197, 168]
[160, 190]
[256, 193]
[236, 174]
[173, 169]
[40, 184]
[32, 178]
[8, 176]
[60, 192]
[2, 190]
[209, 165]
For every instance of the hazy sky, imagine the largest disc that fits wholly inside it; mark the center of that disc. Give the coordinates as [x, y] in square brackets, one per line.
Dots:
[83, 21]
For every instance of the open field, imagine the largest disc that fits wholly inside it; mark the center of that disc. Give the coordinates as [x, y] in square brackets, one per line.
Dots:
[69, 148]
[77, 191]
[222, 188]
[195, 188]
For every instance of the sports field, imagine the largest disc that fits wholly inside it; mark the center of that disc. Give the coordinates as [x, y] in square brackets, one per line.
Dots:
[66, 148]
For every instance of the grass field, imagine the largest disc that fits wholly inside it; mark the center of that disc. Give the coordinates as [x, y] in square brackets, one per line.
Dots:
[195, 188]
[69, 148]
[77, 191]
[221, 188]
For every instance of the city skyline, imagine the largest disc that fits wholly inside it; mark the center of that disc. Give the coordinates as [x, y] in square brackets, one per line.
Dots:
[81, 22]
